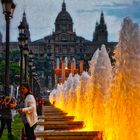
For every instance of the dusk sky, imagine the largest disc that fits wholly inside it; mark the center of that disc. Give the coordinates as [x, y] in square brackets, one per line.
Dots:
[41, 15]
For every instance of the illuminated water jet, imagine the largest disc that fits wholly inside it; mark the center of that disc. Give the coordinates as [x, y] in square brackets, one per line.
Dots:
[106, 103]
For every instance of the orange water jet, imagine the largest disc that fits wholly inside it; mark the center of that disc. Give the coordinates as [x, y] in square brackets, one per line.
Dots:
[118, 113]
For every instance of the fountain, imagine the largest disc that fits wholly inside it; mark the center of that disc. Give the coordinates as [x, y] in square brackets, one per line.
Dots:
[107, 100]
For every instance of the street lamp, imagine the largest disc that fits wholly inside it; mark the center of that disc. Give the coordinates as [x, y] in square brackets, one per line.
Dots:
[30, 63]
[25, 53]
[22, 42]
[36, 87]
[8, 10]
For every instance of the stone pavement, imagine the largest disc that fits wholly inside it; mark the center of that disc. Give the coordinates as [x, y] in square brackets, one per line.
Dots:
[39, 128]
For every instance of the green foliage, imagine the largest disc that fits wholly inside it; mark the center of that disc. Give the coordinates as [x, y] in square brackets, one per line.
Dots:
[14, 55]
[17, 126]
[14, 70]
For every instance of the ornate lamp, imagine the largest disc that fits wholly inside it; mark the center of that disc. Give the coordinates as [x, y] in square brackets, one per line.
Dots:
[8, 10]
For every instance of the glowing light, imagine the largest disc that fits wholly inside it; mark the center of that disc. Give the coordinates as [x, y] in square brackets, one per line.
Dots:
[105, 104]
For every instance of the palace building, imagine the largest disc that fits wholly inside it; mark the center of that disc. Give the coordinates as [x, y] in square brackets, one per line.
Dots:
[64, 52]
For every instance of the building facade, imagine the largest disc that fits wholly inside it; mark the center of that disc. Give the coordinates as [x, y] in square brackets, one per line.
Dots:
[63, 48]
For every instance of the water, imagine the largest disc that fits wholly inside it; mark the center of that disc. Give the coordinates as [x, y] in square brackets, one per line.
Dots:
[107, 100]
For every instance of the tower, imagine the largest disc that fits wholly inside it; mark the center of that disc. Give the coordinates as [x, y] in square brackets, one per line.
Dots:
[95, 35]
[101, 34]
[25, 23]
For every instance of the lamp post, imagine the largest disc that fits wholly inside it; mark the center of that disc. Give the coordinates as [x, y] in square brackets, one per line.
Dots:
[22, 42]
[36, 87]
[25, 53]
[8, 10]
[30, 63]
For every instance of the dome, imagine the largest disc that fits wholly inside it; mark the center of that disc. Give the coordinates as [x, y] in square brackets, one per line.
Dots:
[63, 21]
[63, 16]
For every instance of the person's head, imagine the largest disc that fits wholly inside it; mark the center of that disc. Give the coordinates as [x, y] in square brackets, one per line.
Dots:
[24, 88]
[6, 99]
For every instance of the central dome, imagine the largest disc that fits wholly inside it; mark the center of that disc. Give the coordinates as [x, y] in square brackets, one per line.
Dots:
[63, 22]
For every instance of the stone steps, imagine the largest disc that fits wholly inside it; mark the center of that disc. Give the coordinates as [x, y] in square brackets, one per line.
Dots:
[70, 135]
[57, 118]
[61, 125]
[58, 126]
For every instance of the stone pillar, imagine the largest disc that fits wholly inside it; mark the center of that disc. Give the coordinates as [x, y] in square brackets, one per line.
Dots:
[72, 67]
[63, 71]
[81, 66]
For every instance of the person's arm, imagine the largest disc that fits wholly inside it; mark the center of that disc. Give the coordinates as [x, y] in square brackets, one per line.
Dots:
[31, 104]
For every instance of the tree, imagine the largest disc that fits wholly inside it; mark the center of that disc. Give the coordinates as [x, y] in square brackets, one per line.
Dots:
[14, 71]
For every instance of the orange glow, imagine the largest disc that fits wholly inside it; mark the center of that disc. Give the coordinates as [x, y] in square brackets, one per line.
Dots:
[75, 71]
[117, 112]
[67, 71]
[57, 71]
[118, 116]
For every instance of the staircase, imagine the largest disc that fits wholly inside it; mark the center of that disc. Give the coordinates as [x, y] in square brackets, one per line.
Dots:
[56, 125]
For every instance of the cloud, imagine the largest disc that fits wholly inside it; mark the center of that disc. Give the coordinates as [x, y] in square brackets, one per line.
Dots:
[41, 15]
[87, 11]
[113, 26]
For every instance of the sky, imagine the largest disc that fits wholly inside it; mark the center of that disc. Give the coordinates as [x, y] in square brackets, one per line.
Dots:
[41, 15]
